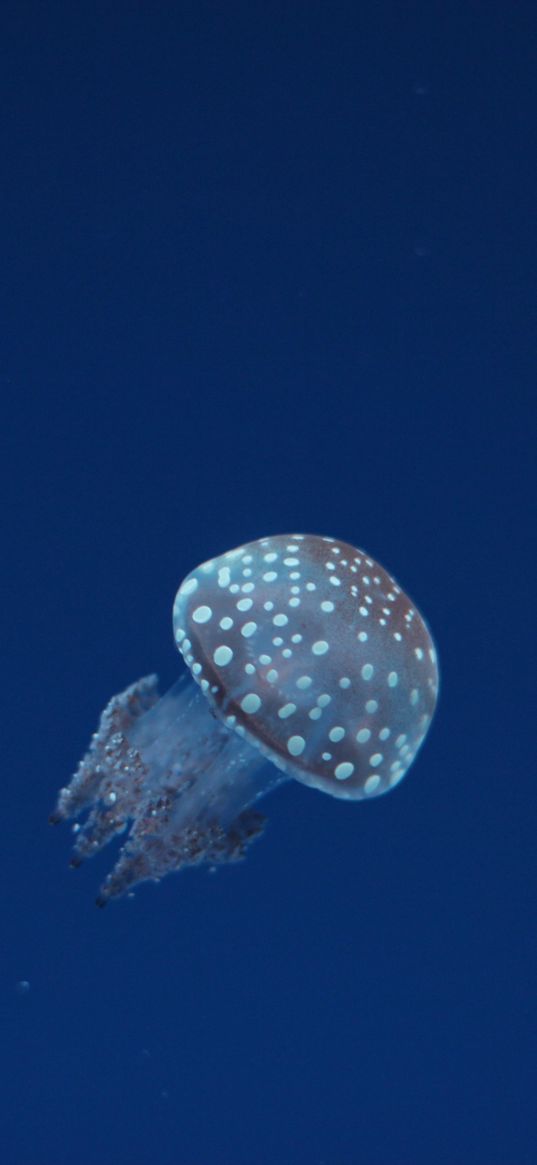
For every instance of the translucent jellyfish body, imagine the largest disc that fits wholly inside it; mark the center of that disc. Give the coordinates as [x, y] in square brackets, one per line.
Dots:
[309, 662]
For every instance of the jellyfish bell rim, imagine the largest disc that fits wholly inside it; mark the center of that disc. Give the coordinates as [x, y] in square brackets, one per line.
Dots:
[210, 679]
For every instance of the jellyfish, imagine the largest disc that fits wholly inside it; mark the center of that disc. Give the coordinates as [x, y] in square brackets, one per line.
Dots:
[307, 661]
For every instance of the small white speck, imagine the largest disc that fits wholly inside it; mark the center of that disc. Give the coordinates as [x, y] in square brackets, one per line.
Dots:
[336, 734]
[286, 711]
[248, 630]
[189, 586]
[393, 679]
[202, 614]
[367, 671]
[343, 771]
[363, 736]
[244, 604]
[250, 703]
[304, 682]
[376, 759]
[296, 745]
[320, 647]
[371, 784]
[223, 655]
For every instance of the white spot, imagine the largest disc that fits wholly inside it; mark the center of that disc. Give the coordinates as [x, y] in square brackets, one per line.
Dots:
[247, 588]
[265, 659]
[336, 734]
[189, 586]
[304, 682]
[367, 671]
[296, 745]
[362, 636]
[418, 653]
[393, 679]
[249, 669]
[202, 614]
[371, 707]
[363, 610]
[250, 703]
[376, 759]
[290, 562]
[294, 602]
[224, 577]
[280, 620]
[277, 641]
[363, 736]
[315, 713]
[286, 711]
[270, 557]
[248, 630]
[343, 771]
[327, 606]
[324, 700]
[384, 733]
[372, 783]
[244, 604]
[272, 676]
[226, 623]
[268, 606]
[269, 576]
[414, 696]
[320, 647]
[336, 582]
[344, 682]
[222, 656]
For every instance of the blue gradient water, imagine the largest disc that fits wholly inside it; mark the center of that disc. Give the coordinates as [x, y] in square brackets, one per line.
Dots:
[270, 267]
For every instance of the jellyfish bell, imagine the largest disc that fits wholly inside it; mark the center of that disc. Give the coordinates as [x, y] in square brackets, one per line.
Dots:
[309, 662]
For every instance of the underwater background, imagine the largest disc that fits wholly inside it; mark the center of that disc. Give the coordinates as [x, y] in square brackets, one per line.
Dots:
[269, 267]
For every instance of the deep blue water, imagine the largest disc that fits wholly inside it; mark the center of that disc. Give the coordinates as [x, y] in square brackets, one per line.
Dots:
[270, 267]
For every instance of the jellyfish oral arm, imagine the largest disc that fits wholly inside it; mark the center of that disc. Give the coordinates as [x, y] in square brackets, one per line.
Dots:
[171, 775]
